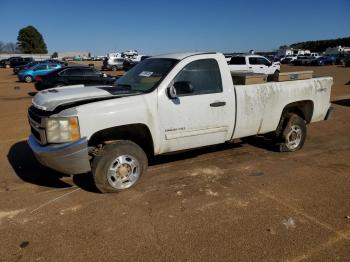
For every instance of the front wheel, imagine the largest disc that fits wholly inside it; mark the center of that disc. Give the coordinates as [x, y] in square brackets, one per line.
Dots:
[118, 166]
[293, 135]
[28, 79]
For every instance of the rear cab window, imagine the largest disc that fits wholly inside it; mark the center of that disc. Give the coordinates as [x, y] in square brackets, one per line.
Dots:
[238, 60]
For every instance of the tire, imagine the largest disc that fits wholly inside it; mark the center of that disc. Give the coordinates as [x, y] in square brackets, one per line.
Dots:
[28, 79]
[118, 166]
[293, 135]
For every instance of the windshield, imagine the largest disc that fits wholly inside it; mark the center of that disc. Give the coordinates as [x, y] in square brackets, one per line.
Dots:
[146, 75]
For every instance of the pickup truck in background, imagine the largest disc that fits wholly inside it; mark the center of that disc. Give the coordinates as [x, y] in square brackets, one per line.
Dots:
[255, 64]
[166, 104]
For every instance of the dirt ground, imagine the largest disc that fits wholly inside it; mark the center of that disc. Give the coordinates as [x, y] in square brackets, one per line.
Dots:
[236, 202]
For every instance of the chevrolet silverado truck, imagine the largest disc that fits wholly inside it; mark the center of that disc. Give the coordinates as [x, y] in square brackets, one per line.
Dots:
[165, 104]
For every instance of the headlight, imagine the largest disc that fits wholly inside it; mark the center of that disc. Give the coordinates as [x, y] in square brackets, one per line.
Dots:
[62, 129]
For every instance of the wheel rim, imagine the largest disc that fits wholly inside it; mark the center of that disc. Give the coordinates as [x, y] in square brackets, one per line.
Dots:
[28, 79]
[123, 172]
[294, 137]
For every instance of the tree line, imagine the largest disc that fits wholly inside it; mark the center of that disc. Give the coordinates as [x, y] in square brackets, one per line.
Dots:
[29, 41]
[321, 45]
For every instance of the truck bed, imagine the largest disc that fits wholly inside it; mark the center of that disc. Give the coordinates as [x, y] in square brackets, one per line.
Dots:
[260, 105]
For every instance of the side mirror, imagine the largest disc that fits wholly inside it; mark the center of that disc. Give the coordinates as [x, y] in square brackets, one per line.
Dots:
[171, 92]
[180, 87]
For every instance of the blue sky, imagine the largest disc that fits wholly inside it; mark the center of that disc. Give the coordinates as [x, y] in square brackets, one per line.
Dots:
[155, 27]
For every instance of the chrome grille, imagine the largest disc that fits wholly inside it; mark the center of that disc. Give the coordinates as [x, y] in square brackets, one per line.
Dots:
[37, 126]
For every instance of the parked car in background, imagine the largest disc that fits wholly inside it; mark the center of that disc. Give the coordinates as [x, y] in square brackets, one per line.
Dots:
[255, 64]
[73, 75]
[28, 75]
[228, 58]
[323, 60]
[347, 61]
[113, 63]
[16, 61]
[128, 64]
[2, 62]
[26, 66]
[288, 59]
[303, 60]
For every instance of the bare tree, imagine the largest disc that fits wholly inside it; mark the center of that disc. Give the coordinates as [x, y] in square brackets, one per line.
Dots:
[8, 48]
[1, 47]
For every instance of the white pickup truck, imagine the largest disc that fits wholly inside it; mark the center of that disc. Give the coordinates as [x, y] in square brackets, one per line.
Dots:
[254, 63]
[165, 104]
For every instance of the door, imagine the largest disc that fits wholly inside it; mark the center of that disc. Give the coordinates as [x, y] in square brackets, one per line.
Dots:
[52, 67]
[197, 118]
[255, 64]
[92, 76]
[40, 69]
[72, 76]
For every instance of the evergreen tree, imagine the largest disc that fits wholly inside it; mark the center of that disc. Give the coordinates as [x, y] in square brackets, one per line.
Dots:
[30, 41]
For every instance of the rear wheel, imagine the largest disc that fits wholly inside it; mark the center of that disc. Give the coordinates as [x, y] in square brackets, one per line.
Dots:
[293, 135]
[28, 79]
[118, 166]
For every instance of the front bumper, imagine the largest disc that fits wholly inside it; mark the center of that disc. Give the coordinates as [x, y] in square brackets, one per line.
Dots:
[20, 77]
[70, 158]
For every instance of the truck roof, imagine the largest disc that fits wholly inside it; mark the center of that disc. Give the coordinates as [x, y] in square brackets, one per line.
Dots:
[180, 56]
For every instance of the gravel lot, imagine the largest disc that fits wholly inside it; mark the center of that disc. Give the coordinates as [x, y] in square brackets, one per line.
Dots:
[235, 202]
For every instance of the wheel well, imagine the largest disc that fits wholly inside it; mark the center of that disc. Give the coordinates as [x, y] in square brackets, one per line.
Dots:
[304, 109]
[137, 133]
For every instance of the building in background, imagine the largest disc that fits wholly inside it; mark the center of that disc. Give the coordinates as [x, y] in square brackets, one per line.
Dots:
[36, 57]
[74, 55]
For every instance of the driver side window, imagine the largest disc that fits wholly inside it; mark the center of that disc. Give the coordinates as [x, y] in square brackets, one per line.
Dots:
[204, 76]
[40, 67]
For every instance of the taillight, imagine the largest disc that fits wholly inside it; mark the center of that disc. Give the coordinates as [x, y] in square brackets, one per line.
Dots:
[38, 78]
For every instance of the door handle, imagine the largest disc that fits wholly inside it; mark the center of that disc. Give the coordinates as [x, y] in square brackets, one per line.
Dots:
[261, 67]
[250, 67]
[217, 104]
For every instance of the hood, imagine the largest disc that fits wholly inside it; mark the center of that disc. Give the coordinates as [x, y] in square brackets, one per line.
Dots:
[50, 99]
